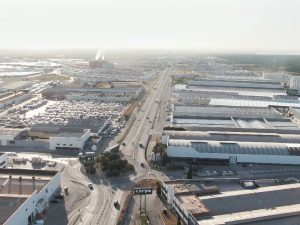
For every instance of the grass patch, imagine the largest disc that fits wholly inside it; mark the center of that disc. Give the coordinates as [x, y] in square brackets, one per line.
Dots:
[49, 77]
[144, 220]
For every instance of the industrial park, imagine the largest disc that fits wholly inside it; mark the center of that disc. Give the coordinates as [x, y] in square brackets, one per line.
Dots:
[156, 112]
[179, 140]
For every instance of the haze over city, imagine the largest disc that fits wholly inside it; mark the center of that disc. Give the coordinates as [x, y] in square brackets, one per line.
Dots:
[158, 112]
[206, 25]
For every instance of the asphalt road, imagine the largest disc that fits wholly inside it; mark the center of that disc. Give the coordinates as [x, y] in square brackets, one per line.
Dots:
[150, 120]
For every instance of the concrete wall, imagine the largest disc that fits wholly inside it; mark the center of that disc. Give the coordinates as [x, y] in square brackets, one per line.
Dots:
[33, 204]
[21, 215]
[3, 160]
[180, 210]
[189, 152]
[34, 144]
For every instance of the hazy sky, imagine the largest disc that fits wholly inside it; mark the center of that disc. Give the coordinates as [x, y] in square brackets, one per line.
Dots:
[213, 25]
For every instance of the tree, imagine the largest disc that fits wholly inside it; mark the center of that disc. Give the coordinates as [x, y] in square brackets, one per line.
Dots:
[178, 220]
[190, 173]
[159, 148]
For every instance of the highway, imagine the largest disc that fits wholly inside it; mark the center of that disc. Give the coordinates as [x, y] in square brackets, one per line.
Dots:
[144, 123]
[150, 120]
[91, 207]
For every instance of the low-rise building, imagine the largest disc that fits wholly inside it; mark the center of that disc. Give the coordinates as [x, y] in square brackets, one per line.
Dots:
[228, 202]
[25, 194]
[11, 98]
[8, 136]
[69, 141]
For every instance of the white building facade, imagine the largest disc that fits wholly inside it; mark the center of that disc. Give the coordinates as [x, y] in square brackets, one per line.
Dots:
[36, 203]
[69, 141]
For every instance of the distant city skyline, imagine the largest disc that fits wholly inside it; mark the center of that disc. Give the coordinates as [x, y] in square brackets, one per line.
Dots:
[260, 26]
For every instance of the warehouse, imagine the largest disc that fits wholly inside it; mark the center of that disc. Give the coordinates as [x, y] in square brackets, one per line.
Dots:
[15, 85]
[25, 194]
[10, 98]
[223, 111]
[8, 136]
[69, 141]
[95, 124]
[235, 152]
[265, 205]
[257, 84]
[95, 94]
[222, 202]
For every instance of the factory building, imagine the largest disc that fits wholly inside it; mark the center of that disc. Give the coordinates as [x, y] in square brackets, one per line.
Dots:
[12, 86]
[25, 194]
[294, 84]
[10, 98]
[233, 134]
[8, 136]
[229, 202]
[69, 141]
[95, 94]
[235, 152]
[276, 76]
[96, 126]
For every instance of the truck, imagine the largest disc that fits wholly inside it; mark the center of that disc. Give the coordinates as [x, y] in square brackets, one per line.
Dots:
[86, 155]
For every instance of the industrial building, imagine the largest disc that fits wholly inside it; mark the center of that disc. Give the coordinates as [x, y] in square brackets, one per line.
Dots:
[10, 98]
[233, 134]
[228, 202]
[121, 94]
[235, 152]
[96, 125]
[8, 136]
[25, 194]
[246, 93]
[294, 84]
[11, 86]
[276, 76]
[69, 140]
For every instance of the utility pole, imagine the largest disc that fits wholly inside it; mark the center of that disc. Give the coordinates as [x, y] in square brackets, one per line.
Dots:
[140, 204]
[145, 204]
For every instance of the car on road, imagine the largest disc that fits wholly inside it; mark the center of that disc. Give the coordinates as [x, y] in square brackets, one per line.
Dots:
[117, 205]
[66, 190]
[90, 185]
[60, 196]
[54, 200]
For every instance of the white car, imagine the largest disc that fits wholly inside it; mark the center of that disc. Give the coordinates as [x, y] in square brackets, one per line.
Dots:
[90, 185]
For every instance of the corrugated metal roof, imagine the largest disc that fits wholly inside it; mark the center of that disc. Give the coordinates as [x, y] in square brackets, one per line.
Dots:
[258, 148]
